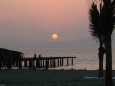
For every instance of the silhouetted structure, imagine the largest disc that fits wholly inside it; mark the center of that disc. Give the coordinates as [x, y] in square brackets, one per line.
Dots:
[46, 62]
[96, 31]
[105, 21]
[9, 58]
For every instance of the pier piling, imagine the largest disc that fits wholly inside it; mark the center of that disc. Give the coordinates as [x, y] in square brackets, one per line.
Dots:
[41, 62]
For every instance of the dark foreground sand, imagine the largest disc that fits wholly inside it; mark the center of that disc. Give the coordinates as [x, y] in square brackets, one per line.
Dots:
[28, 77]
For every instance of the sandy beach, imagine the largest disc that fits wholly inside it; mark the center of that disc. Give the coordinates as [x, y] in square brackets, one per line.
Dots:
[26, 77]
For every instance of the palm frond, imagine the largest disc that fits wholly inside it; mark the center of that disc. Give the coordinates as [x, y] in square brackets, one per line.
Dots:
[102, 20]
[94, 19]
[108, 16]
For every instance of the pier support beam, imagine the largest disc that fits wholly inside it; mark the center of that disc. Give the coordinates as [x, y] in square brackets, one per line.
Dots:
[47, 63]
[43, 64]
[54, 63]
[17, 64]
[37, 63]
[62, 62]
[20, 64]
[30, 63]
[67, 62]
[25, 63]
[72, 61]
[58, 62]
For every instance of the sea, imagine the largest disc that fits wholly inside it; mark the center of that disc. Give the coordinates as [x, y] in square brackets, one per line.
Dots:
[85, 58]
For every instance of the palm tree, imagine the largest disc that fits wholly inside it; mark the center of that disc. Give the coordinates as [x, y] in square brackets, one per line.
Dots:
[107, 22]
[95, 29]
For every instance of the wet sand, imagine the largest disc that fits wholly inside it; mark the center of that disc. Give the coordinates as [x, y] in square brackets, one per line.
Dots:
[29, 77]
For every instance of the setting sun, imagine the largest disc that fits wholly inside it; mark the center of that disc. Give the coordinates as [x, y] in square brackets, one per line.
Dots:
[54, 36]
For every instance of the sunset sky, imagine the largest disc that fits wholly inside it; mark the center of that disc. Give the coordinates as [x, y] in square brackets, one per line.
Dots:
[31, 23]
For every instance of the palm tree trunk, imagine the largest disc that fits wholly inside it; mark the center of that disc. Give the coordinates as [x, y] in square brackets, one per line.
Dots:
[100, 66]
[108, 49]
[101, 53]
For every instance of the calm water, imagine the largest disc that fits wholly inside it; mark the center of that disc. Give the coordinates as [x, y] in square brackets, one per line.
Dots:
[86, 58]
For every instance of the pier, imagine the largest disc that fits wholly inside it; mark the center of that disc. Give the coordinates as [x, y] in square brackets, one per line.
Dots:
[37, 62]
[46, 62]
[10, 58]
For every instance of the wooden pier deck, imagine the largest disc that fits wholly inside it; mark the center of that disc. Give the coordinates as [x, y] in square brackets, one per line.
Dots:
[46, 62]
